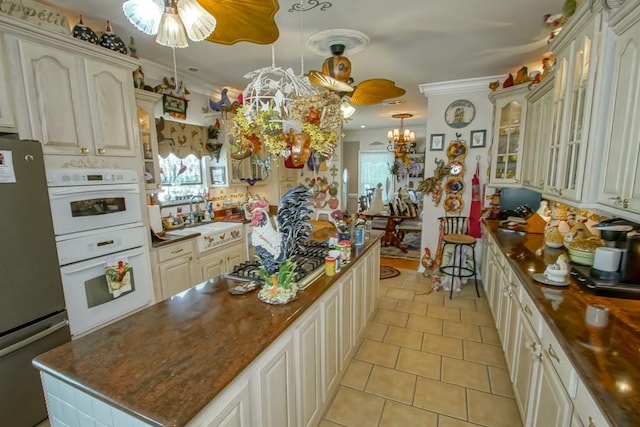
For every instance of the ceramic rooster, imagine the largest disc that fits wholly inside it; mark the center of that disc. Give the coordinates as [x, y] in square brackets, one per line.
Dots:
[225, 103]
[428, 263]
[275, 245]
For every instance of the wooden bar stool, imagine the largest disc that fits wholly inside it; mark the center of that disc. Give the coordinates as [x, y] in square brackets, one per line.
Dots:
[455, 231]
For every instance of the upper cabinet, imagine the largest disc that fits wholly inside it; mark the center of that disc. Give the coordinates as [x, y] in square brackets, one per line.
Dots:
[619, 184]
[576, 50]
[146, 102]
[508, 128]
[537, 135]
[6, 112]
[74, 97]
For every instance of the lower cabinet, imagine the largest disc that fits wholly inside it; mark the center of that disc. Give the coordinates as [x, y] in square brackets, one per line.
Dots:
[526, 366]
[220, 262]
[550, 406]
[176, 267]
[293, 380]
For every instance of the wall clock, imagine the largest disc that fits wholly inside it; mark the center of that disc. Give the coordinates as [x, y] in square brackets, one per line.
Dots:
[460, 113]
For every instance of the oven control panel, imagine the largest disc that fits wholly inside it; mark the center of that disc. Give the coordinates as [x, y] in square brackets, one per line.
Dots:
[74, 177]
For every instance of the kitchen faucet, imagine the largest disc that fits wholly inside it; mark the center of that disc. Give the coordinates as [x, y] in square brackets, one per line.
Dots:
[191, 200]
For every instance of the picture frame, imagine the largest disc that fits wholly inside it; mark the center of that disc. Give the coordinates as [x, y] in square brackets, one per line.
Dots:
[437, 142]
[478, 138]
[173, 104]
[218, 176]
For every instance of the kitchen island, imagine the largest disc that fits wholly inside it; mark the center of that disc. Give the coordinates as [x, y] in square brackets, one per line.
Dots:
[568, 366]
[204, 356]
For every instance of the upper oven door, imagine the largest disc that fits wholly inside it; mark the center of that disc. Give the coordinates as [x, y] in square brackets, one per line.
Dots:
[82, 208]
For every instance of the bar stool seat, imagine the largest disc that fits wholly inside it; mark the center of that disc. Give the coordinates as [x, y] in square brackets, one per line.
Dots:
[454, 231]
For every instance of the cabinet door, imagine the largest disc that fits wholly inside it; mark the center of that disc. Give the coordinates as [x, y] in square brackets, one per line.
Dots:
[537, 135]
[231, 408]
[233, 257]
[56, 100]
[619, 182]
[551, 184]
[308, 369]
[346, 317]
[274, 404]
[176, 275]
[330, 324]
[551, 406]
[6, 111]
[527, 364]
[146, 101]
[213, 265]
[111, 108]
[358, 302]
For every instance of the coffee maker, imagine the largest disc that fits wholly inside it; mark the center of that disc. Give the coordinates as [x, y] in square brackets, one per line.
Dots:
[619, 260]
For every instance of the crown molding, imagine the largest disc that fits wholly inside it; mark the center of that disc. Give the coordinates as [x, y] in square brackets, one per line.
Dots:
[457, 86]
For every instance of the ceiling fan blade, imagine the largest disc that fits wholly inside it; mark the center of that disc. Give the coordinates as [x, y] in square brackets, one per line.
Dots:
[243, 21]
[328, 82]
[374, 91]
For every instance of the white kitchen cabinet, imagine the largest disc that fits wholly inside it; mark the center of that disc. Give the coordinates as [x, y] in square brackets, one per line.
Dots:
[231, 408]
[357, 299]
[220, 262]
[510, 110]
[74, 105]
[550, 405]
[146, 101]
[330, 323]
[287, 178]
[176, 268]
[527, 364]
[586, 412]
[576, 50]
[309, 361]
[7, 124]
[346, 317]
[273, 391]
[620, 181]
[538, 134]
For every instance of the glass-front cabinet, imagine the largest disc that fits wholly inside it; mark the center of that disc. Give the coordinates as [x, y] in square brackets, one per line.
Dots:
[145, 102]
[509, 114]
[573, 96]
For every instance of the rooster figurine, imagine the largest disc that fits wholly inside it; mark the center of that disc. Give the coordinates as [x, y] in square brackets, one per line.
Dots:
[274, 246]
[225, 103]
[428, 263]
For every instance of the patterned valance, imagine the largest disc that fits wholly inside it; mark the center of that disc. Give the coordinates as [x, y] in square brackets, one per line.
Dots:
[181, 139]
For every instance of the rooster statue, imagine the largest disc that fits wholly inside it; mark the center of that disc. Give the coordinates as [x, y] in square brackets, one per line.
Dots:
[274, 246]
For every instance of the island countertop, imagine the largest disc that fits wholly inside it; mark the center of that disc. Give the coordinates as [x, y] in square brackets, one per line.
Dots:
[608, 369]
[165, 363]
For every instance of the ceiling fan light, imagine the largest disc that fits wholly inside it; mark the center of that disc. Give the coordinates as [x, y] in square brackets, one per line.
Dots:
[198, 22]
[347, 110]
[171, 32]
[145, 15]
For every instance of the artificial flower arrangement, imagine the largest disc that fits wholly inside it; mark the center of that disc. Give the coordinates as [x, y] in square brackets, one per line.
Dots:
[316, 118]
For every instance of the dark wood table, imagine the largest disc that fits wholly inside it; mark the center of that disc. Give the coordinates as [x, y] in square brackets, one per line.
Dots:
[393, 234]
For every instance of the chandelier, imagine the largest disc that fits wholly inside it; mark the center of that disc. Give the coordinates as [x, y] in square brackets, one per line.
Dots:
[401, 141]
[172, 22]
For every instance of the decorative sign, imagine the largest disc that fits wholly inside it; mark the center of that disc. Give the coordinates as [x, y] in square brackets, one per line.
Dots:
[36, 14]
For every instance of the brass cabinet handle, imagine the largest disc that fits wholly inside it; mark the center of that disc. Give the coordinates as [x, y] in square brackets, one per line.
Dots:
[177, 251]
[591, 423]
[625, 203]
[84, 150]
[528, 310]
[553, 354]
[101, 150]
[514, 284]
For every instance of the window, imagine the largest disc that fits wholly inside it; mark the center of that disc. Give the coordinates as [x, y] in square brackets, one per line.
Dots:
[181, 178]
[373, 169]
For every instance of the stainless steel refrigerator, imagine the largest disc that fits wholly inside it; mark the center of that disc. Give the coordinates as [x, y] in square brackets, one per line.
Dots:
[32, 308]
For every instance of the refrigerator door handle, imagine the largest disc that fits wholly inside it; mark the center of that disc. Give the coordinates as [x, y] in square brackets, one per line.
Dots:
[33, 338]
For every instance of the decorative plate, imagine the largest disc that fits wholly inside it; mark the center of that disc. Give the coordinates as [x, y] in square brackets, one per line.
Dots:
[456, 168]
[457, 150]
[460, 113]
[453, 204]
[454, 186]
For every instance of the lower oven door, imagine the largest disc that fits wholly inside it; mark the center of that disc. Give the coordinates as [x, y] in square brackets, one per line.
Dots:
[103, 289]
[82, 208]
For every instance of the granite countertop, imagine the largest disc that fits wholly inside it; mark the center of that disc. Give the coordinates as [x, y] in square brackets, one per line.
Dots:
[166, 363]
[606, 358]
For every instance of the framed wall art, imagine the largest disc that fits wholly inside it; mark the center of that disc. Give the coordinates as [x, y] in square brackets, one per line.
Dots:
[459, 113]
[437, 142]
[478, 138]
[174, 106]
[219, 176]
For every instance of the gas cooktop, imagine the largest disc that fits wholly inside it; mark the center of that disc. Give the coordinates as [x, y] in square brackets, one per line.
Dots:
[600, 287]
[309, 265]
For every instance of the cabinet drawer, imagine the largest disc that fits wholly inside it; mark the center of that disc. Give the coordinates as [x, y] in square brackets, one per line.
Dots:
[586, 409]
[174, 250]
[559, 360]
[530, 311]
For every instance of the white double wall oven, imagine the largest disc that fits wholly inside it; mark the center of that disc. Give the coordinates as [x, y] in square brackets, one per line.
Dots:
[101, 243]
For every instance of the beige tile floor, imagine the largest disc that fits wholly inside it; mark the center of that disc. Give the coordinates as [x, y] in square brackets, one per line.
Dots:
[426, 361]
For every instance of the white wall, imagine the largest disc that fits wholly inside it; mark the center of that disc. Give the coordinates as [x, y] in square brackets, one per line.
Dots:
[439, 96]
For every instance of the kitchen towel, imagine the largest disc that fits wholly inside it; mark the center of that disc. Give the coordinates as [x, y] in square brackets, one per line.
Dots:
[154, 218]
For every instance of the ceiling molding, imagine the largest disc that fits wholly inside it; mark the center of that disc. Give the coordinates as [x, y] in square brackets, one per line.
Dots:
[456, 86]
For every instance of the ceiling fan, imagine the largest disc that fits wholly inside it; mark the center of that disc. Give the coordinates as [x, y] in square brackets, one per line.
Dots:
[336, 70]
